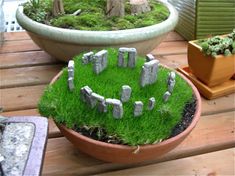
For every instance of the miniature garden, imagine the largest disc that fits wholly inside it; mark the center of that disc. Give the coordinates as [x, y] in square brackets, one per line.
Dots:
[117, 97]
[94, 15]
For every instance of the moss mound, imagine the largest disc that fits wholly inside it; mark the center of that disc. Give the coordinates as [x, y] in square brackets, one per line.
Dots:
[67, 108]
[93, 15]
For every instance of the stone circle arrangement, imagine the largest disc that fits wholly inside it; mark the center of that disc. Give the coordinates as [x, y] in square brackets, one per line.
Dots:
[148, 76]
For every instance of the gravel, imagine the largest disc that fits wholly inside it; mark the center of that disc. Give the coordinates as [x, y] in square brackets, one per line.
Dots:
[15, 145]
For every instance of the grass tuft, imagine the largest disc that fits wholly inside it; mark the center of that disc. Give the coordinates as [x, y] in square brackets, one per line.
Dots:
[67, 108]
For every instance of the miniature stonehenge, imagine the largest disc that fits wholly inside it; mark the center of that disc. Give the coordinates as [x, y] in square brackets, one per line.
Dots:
[148, 76]
[131, 60]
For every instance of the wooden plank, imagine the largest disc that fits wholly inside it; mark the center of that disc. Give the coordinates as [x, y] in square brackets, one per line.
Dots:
[216, 163]
[28, 76]
[53, 130]
[173, 61]
[173, 36]
[20, 98]
[214, 132]
[8, 36]
[171, 48]
[25, 59]
[18, 46]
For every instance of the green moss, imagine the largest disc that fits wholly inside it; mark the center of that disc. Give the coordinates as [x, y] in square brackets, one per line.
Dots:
[93, 15]
[65, 106]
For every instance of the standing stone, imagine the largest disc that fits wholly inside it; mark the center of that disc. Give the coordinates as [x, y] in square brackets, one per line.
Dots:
[91, 101]
[149, 57]
[87, 57]
[151, 104]
[71, 83]
[100, 61]
[171, 85]
[71, 69]
[138, 108]
[126, 93]
[132, 54]
[166, 96]
[131, 60]
[171, 76]
[102, 106]
[149, 73]
[171, 81]
[85, 91]
[117, 107]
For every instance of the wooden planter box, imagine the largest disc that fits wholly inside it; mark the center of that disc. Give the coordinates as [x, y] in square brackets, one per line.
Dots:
[201, 18]
[210, 70]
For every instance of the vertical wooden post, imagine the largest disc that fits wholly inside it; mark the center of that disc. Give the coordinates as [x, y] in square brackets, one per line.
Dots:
[139, 6]
[58, 7]
[116, 8]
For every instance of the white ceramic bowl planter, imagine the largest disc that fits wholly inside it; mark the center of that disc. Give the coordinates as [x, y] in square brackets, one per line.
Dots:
[63, 44]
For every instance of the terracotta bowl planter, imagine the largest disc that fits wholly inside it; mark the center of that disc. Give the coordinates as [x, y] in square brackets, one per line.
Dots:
[126, 154]
[211, 71]
[34, 163]
[63, 44]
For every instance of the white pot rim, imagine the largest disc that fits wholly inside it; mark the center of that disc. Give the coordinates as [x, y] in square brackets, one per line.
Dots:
[99, 37]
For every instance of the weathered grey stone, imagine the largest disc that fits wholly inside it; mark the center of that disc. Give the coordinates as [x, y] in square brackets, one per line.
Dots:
[71, 84]
[71, 69]
[171, 77]
[121, 59]
[111, 101]
[71, 64]
[91, 101]
[166, 96]
[132, 54]
[98, 97]
[149, 73]
[87, 57]
[100, 61]
[118, 110]
[171, 81]
[102, 106]
[138, 108]
[126, 93]
[84, 91]
[151, 104]
[149, 57]
[171, 85]
[131, 60]
[117, 107]
[70, 73]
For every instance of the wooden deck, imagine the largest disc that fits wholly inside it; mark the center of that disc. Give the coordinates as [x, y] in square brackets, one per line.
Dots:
[25, 71]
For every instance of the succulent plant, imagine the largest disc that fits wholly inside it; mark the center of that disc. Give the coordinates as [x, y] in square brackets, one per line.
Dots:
[219, 45]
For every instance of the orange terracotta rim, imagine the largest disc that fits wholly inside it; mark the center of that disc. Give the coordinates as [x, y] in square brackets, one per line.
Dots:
[147, 146]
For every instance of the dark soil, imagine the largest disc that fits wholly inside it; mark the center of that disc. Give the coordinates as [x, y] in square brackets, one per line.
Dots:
[188, 115]
[100, 134]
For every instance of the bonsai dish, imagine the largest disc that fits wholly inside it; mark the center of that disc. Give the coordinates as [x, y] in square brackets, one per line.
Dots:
[144, 124]
[212, 60]
[23, 142]
[64, 44]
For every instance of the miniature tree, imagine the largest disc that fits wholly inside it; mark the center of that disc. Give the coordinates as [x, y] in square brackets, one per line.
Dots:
[113, 7]
[117, 7]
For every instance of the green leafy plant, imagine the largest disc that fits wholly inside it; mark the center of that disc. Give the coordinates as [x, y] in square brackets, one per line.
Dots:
[219, 45]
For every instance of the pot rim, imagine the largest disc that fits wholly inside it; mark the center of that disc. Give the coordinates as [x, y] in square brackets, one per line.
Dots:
[99, 37]
[147, 146]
